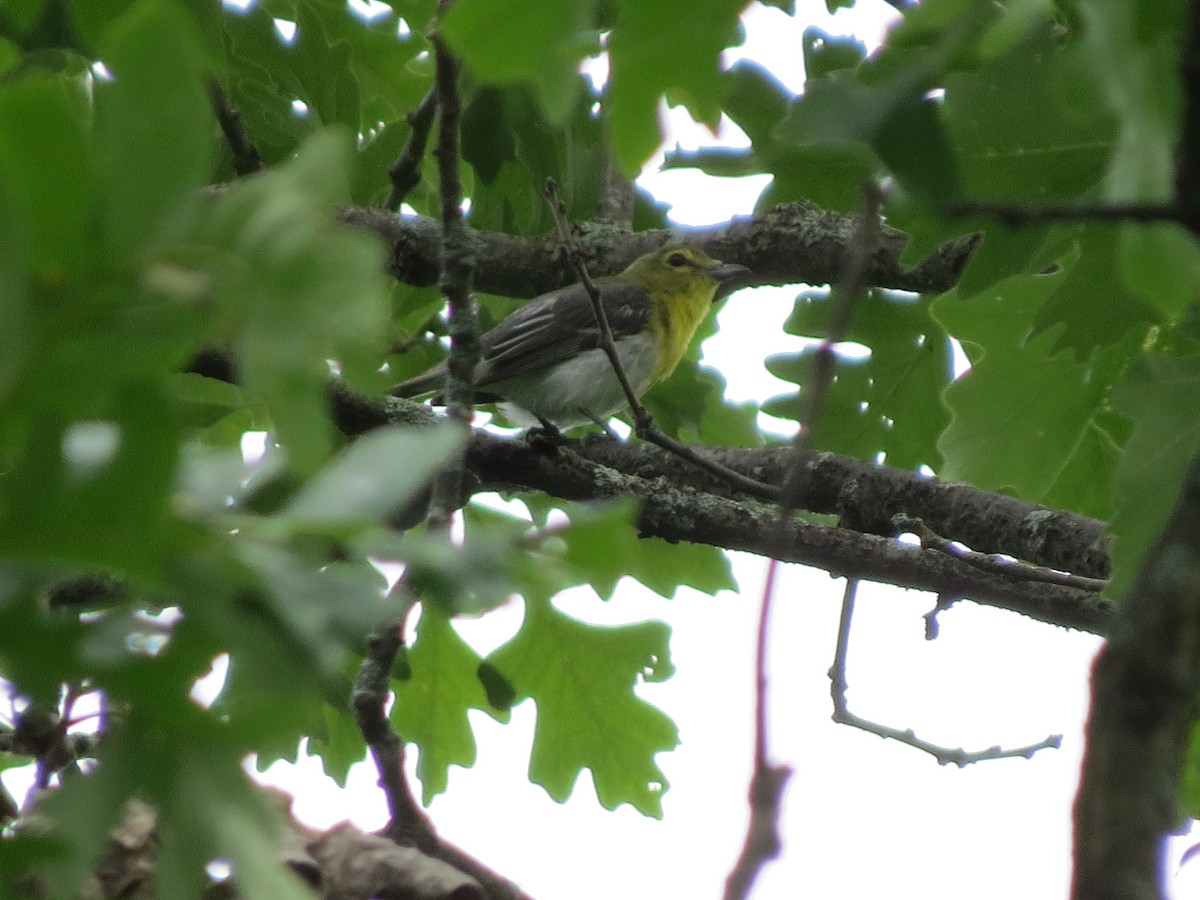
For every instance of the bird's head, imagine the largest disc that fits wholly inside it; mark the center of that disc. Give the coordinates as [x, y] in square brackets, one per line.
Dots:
[680, 269]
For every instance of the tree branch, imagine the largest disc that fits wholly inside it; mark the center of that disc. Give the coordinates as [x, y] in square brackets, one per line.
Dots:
[678, 512]
[866, 497]
[790, 244]
[1145, 685]
[405, 172]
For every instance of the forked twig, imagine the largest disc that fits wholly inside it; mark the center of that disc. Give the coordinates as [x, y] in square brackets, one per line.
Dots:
[838, 686]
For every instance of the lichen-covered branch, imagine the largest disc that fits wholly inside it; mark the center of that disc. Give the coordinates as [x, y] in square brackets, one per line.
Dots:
[791, 244]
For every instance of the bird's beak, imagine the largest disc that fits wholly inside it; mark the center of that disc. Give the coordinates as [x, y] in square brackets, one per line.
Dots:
[729, 277]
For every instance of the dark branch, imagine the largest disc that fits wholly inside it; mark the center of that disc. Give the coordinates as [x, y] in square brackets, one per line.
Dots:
[1018, 213]
[458, 269]
[678, 512]
[1145, 685]
[407, 823]
[866, 497]
[246, 159]
[405, 172]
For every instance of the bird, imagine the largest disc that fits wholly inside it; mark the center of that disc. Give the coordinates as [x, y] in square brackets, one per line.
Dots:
[545, 361]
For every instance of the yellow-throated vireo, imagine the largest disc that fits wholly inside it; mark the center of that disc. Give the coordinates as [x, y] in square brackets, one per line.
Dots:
[545, 359]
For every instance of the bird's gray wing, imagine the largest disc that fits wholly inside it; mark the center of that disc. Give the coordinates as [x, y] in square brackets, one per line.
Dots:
[546, 330]
[558, 325]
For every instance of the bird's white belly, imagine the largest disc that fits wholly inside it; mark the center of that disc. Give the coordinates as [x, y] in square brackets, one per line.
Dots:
[580, 389]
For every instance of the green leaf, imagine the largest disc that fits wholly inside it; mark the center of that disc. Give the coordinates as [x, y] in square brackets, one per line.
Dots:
[373, 476]
[1006, 153]
[1161, 395]
[690, 405]
[47, 175]
[431, 707]
[1139, 87]
[1161, 263]
[1085, 484]
[73, 500]
[339, 744]
[889, 403]
[755, 99]
[297, 289]
[154, 123]
[485, 33]
[826, 53]
[671, 47]
[582, 678]
[1019, 414]
[1091, 270]
[321, 66]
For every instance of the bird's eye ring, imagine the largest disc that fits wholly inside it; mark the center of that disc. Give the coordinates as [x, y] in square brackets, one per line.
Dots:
[677, 260]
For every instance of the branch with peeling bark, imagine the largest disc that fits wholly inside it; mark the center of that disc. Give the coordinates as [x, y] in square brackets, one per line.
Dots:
[793, 243]
[676, 511]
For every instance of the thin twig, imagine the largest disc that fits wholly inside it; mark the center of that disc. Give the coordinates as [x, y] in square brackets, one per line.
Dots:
[932, 623]
[458, 265]
[643, 423]
[1030, 213]
[991, 562]
[838, 686]
[405, 172]
[762, 842]
[407, 823]
[1187, 166]
[843, 299]
[246, 159]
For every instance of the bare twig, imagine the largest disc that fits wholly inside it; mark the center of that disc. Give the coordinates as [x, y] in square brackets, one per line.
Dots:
[932, 626]
[246, 159]
[643, 423]
[407, 823]
[1187, 171]
[1031, 213]
[990, 562]
[458, 265]
[762, 842]
[405, 172]
[838, 686]
[844, 298]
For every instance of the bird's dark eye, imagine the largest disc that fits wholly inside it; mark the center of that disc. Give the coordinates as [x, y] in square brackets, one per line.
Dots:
[677, 260]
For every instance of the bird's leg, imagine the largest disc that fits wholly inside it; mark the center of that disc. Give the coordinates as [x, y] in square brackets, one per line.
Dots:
[601, 424]
[546, 436]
